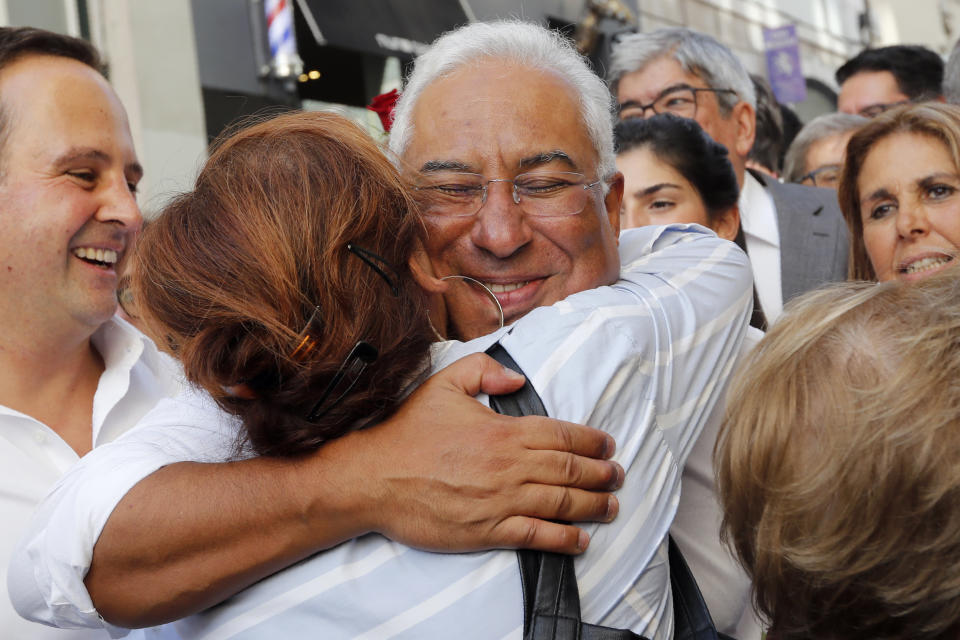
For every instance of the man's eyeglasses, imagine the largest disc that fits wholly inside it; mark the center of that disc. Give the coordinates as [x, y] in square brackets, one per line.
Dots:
[827, 176]
[876, 109]
[538, 193]
[680, 101]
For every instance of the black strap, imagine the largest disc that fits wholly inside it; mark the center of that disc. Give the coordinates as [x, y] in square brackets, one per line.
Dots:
[757, 319]
[551, 599]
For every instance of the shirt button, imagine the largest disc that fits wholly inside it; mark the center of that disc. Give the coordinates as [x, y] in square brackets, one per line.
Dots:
[40, 437]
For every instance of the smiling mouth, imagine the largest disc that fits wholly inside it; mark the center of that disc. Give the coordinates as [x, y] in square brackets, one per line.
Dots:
[924, 264]
[505, 288]
[103, 258]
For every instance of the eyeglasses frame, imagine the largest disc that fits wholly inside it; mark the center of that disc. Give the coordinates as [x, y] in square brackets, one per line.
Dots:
[696, 103]
[514, 192]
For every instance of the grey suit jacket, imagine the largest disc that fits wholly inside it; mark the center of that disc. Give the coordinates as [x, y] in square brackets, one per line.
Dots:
[813, 236]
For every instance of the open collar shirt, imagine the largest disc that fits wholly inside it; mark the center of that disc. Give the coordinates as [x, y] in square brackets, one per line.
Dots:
[758, 217]
[33, 456]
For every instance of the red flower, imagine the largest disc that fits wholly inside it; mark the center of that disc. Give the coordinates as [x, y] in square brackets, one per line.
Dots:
[383, 106]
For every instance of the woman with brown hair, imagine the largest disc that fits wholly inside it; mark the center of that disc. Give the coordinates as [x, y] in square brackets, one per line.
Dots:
[839, 464]
[900, 193]
[268, 279]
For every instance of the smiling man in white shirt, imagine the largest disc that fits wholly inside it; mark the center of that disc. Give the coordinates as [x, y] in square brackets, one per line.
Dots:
[72, 375]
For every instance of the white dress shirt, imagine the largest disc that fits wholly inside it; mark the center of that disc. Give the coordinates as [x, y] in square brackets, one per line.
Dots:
[33, 456]
[758, 217]
[644, 359]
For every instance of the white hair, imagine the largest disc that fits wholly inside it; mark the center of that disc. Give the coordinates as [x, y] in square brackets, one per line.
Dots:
[697, 53]
[521, 43]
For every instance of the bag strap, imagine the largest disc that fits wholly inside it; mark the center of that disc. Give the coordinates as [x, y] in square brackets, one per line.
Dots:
[551, 599]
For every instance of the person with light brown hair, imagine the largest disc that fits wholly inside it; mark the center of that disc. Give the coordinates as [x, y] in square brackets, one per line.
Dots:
[839, 464]
[900, 193]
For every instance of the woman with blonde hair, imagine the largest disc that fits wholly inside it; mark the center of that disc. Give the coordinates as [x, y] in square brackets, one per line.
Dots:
[839, 464]
[900, 193]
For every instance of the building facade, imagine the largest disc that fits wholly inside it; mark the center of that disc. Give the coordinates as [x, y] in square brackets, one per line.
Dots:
[186, 68]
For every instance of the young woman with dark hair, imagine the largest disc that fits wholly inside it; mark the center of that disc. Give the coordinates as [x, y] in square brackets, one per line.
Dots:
[674, 172]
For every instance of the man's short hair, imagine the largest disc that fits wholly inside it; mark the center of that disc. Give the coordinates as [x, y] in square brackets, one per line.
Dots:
[838, 463]
[825, 126]
[917, 70]
[697, 53]
[17, 42]
[527, 45]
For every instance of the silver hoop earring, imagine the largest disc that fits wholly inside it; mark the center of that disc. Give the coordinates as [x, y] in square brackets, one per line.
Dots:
[476, 282]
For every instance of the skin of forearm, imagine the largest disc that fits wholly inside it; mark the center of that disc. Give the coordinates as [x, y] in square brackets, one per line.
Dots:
[444, 473]
[159, 559]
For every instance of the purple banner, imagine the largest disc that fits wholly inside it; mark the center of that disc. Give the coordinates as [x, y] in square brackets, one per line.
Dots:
[783, 64]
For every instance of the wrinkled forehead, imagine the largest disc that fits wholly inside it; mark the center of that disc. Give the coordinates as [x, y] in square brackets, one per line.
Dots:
[499, 114]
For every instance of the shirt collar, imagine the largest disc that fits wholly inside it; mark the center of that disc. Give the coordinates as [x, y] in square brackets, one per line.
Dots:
[758, 215]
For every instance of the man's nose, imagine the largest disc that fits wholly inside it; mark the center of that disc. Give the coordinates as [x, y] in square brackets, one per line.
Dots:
[119, 205]
[500, 227]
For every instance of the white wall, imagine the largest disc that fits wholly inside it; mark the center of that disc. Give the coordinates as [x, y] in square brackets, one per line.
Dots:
[151, 53]
[153, 66]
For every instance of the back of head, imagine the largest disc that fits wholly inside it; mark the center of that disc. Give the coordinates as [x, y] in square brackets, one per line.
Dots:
[839, 463]
[682, 144]
[918, 70]
[523, 44]
[821, 127]
[697, 53]
[248, 278]
[936, 120]
[768, 143]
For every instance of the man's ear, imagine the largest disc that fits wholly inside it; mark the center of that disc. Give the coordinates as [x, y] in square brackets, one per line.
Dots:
[422, 270]
[727, 224]
[746, 118]
[613, 201]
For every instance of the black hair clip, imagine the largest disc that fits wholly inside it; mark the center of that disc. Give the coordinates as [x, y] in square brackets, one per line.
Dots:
[362, 354]
[379, 265]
